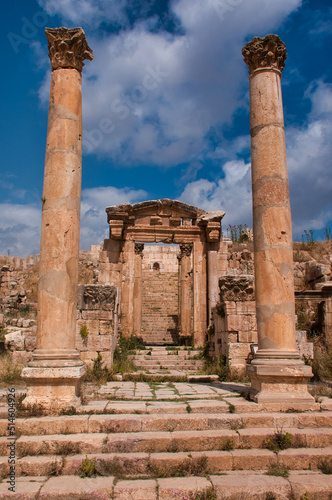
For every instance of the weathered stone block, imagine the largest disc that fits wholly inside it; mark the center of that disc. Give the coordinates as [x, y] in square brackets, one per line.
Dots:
[239, 350]
[96, 297]
[105, 327]
[232, 337]
[91, 324]
[250, 337]
[14, 341]
[30, 342]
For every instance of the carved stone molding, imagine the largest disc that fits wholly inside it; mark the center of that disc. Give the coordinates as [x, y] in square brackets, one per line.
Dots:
[237, 288]
[139, 247]
[67, 48]
[96, 297]
[267, 52]
[185, 250]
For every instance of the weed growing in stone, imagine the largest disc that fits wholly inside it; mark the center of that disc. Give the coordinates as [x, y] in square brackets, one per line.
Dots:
[270, 496]
[231, 408]
[208, 494]
[55, 468]
[278, 470]
[279, 441]
[189, 467]
[325, 466]
[228, 445]
[88, 467]
[10, 372]
[84, 331]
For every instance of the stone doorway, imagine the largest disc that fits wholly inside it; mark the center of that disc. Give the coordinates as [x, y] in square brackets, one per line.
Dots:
[201, 253]
[160, 295]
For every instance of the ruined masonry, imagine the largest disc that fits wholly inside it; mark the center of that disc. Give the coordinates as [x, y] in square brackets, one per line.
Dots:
[166, 274]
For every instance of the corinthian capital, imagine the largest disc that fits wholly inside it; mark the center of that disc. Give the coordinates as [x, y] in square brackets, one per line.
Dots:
[267, 52]
[67, 48]
[185, 249]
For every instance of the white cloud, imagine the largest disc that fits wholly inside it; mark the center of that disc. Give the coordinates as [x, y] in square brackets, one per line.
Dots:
[20, 224]
[309, 153]
[19, 229]
[86, 11]
[231, 193]
[94, 227]
[150, 98]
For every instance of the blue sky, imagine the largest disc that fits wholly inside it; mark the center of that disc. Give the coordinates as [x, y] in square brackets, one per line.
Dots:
[170, 77]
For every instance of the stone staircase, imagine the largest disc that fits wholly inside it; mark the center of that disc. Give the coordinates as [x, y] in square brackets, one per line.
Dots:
[189, 449]
[154, 359]
[159, 308]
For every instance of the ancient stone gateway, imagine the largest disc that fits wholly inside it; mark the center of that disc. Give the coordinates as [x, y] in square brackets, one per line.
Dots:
[200, 261]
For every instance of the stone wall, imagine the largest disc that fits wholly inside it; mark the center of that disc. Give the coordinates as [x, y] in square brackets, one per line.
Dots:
[97, 322]
[166, 257]
[234, 320]
[234, 326]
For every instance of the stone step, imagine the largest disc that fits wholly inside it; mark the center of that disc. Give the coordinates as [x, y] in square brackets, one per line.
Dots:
[181, 350]
[156, 366]
[131, 465]
[162, 441]
[232, 485]
[75, 424]
[166, 354]
[167, 362]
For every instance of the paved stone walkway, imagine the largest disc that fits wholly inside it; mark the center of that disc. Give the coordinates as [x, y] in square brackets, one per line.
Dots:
[165, 390]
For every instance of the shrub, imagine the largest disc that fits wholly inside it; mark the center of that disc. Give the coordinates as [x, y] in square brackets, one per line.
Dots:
[325, 466]
[279, 441]
[98, 373]
[10, 372]
[278, 470]
[322, 362]
[88, 467]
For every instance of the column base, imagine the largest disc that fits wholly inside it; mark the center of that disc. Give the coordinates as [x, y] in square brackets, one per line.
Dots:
[54, 379]
[279, 381]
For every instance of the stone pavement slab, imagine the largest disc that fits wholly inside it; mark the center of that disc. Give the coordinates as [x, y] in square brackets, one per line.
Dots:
[251, 486]
[166, 406]
[136, 490]
[72, 488]
[212, 406]
[26, 488]
[314, 486]
[182, 488]
[126, 407]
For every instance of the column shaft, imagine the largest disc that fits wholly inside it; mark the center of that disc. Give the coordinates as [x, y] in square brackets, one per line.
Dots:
[213, 278]
[200, 293]
[185, 290]
[54, 374]
[138, 289]
[127, 295]
[59, 246]
[278, 375]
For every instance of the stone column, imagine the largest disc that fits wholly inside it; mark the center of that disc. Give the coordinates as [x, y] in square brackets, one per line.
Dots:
[185, 288]
[200, 292]
[213, 277]
[127, 294]
[139, 247]
[54, 374]
[278, 375]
